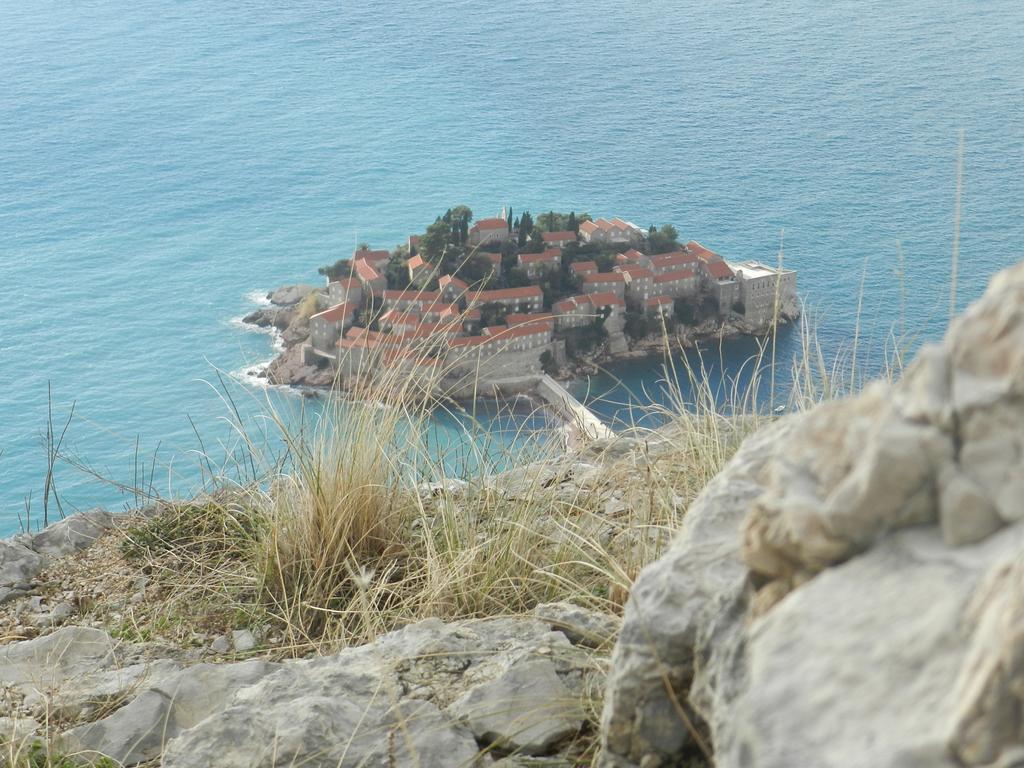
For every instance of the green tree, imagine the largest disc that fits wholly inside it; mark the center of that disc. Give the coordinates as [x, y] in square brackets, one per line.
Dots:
[492, 313]
[572, 224]
[662, 240]
[683, 311]
[548, 364]
[340, 268]
[397, 273]
[525, 227]
[434, 242]
[474, 269]
[516, 278]
[637, 326]
[605, 262]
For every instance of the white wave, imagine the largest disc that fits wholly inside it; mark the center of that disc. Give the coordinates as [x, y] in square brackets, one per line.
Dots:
[259, 298]
[277, 340]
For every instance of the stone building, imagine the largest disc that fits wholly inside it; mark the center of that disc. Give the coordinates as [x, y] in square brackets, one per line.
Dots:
[535, 263]
[486, 231]
[574, 312]
[682, 282]
[345, 289]
[610, 232]
[763, 288]
[529, 298]
[558, 239]
[373, 282]
[639, 282]
[325, 328]
[605, 282]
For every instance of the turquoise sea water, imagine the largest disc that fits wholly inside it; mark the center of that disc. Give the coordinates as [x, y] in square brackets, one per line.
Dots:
[159, 162]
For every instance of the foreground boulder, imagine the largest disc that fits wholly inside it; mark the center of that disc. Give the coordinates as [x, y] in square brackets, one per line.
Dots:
[848, 591]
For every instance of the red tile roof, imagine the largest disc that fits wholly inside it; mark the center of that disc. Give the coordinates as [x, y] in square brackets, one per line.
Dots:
[495, 223]
[636, 272]
[633, 254]
[365, 271]
[701, 252]
[412, 295]
[719, 270]
[548, 256]
[447, 280]
[398, 317]
[606, 299]
[671, 277]
[604, 277]
[588, 226]
[530, 329]
[583, 266]
[374, 257]
[347, 283]
[526, 292]
[675, 257]
[657, 301]
[338, 312]
[415, 262]
[468, 341]
[359, 333]
[554, 237]
[573, 303]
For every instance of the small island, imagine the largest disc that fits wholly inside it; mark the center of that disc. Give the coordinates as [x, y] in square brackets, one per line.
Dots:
[481, 305]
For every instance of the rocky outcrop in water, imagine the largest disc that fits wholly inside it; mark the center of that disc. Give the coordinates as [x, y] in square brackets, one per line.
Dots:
[289, 295]
[849, 590]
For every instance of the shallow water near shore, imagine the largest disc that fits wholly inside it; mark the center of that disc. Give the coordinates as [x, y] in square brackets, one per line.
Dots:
[164, 162]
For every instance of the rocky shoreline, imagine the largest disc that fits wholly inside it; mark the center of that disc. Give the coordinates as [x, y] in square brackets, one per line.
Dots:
[289, 369]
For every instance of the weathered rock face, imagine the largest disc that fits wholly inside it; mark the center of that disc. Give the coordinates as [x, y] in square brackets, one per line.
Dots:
[848, 591]
[432, 694]
[290, 294]
[289, 368]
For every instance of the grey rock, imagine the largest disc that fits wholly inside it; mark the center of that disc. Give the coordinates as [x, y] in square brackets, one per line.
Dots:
[856, 667]
[243, 640]
[380, 704]
[140, 730]
[57, 615]
[46, 662]
[290, 294]
[580, 625]
[19, 564]
[72, 534]
[85, 694]
[989, 694]
[847, 593]
[221, 644]
[673, 602]
[17, 732]
[528, 709]
[358, 729]
[8, 594]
